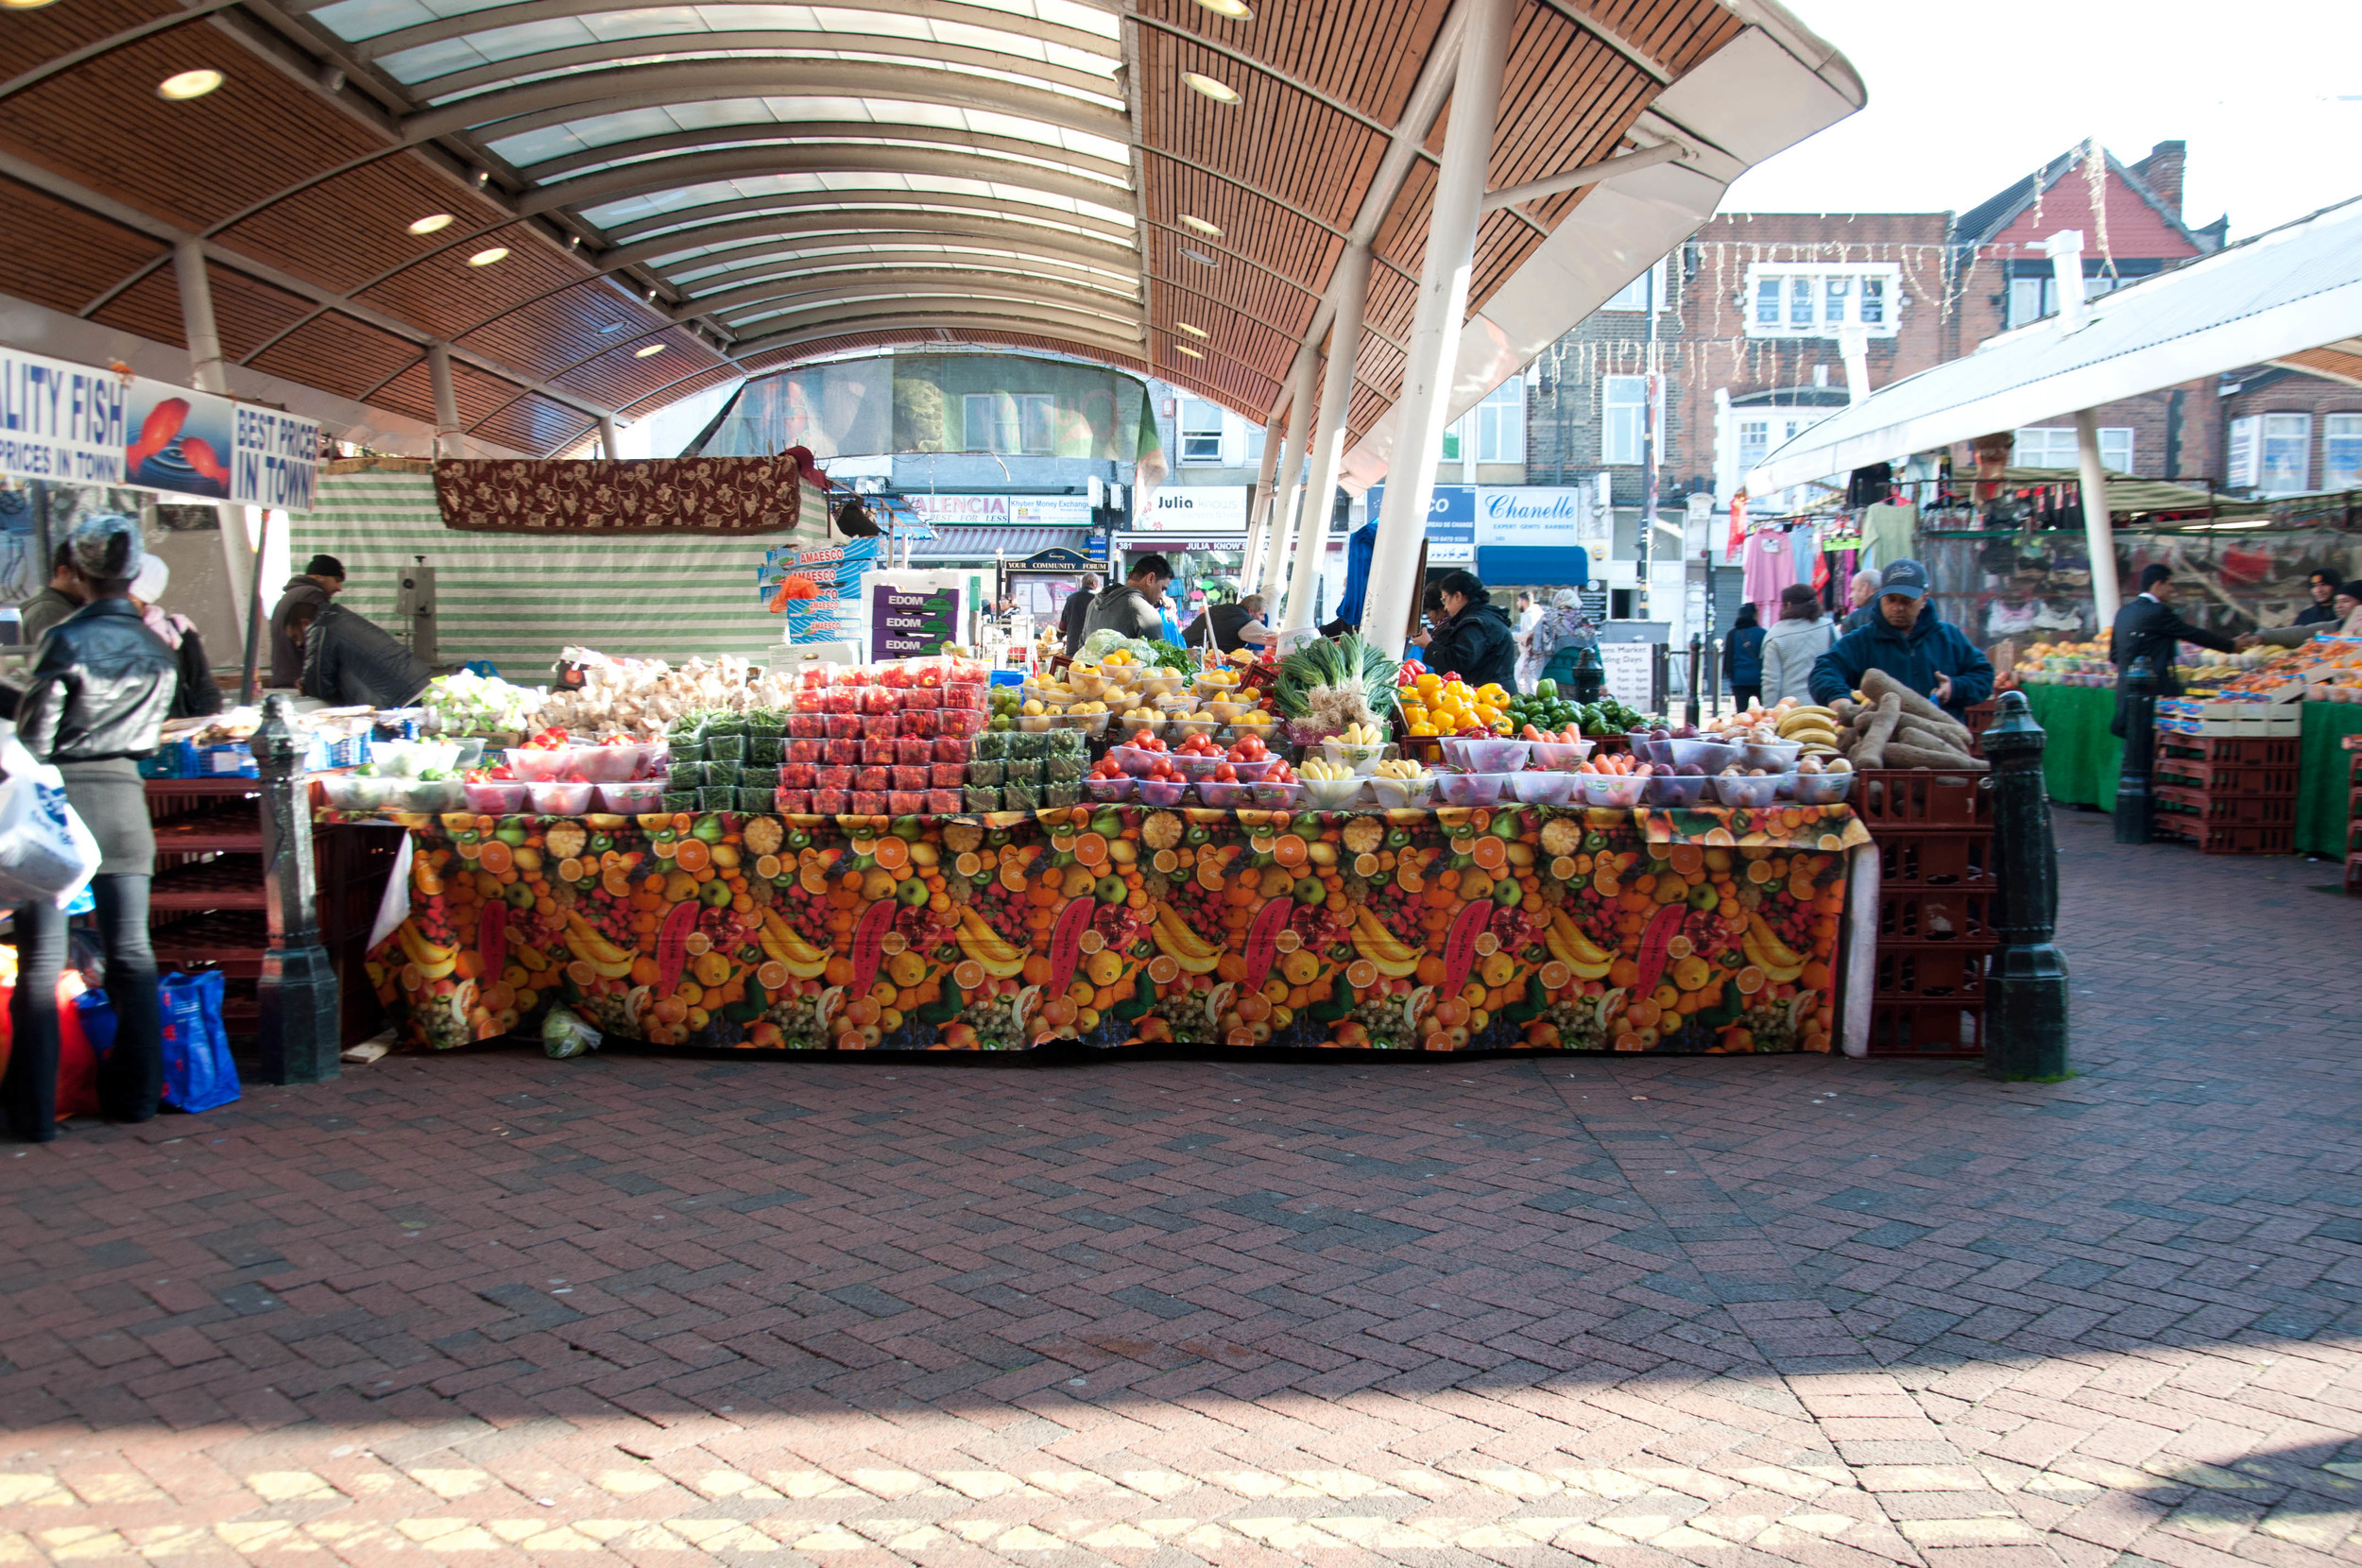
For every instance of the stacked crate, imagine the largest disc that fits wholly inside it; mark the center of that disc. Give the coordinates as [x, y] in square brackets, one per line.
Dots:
[2228, 794]
[1937, 916]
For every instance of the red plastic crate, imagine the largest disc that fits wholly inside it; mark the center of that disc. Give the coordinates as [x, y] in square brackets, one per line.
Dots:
[2241, 778]
[1935, 860]
[2229, 838]
[1928, 974]
[1924, 800]
[2213, 807]
[2257, 751]
[1927, 1028]
[1978, 718]
[1937, 916]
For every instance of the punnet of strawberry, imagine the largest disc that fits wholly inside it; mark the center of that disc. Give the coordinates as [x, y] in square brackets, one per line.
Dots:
[547, 740]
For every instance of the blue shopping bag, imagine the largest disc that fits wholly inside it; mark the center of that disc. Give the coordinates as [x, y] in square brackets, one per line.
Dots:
[99, 1021]
[198, 1074]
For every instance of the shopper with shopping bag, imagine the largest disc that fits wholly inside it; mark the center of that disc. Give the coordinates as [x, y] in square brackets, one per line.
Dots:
[96, 702]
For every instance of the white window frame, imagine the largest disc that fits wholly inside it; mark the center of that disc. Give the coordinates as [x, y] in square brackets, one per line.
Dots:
[2055, 447]
[1193, 426]
[1623, 431]
[1500, 423]
[2342, 452]
[2242, 449]
[2285, 435]
[1807, 284]
[998, 413]
[1036, 423]
[1634, 296]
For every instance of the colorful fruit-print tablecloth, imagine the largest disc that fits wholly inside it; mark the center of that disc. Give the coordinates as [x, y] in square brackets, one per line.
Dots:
[1517, 928]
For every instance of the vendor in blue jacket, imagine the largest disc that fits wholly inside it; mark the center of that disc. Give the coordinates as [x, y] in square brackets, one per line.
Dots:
[1909, 641]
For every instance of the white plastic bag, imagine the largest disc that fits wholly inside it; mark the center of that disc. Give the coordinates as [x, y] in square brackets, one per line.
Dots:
[47, 852]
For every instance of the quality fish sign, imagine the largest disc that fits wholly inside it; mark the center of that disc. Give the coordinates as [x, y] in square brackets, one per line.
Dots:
[83, 426]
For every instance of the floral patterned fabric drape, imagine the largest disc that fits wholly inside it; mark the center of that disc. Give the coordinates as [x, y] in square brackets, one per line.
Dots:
[677, 495]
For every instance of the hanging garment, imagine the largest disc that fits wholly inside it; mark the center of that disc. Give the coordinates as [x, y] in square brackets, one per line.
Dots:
[1888, 532]
[1770, 567]
[1869, 485]
[1805, 544]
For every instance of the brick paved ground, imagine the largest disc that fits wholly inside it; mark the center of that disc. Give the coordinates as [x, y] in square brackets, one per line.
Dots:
[1722, 1312]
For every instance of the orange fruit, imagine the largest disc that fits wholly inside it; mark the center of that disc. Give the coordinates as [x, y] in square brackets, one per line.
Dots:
[1166, 861]
[772, 975]
[1489, 853]
[1679, 947]
[1090, 849]
[1563, 869]
[1361, 974]
[494, 856]
[1291, 851]
[967, 973]
[692, 855]
[766, 866]
[1555, 975]
[1164, 969]
[1750, 981]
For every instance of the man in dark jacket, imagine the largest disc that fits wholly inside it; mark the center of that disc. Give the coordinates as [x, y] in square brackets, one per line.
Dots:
[1743, 649]
[349, 660]
[2148, 627]
[1131, 606]
[321, 579]
[62, 598]
[1910, 643]
[1475, 643]
[1076, 612]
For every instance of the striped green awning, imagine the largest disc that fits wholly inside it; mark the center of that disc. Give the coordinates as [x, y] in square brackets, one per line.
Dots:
[516, 600]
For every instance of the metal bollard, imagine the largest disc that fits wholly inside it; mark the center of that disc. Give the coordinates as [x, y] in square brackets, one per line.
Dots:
[2136, 807]
[297, 995]
[2026, 988]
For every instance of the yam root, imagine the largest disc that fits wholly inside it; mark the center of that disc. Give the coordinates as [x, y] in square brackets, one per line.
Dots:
[1946, 736]
[1847, 710]
[1904, 754]
[1879, 684]
[1870, 751]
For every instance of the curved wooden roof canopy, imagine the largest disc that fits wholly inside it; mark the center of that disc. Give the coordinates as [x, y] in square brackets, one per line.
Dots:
[688, 193]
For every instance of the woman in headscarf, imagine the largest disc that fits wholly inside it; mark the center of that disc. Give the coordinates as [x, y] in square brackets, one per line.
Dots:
[193, 691]
[1555, 644]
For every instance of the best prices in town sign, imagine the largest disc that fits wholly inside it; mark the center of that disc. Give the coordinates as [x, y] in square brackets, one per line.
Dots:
[76, 425]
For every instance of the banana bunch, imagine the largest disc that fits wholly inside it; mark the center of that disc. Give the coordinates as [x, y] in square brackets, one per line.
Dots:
[1320, 767]
[988, 948]
[783, 942]
[1184, 945]
[1815, 726]
[434, 960]
[1360, 735]
[1577, 952]
[1403, 767]
[595, 950]
[1382, 947]
[1767, 952]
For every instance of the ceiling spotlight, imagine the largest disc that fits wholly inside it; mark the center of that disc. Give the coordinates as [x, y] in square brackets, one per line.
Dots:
[482, 177]
[651, 348]
[651, 297]
[1231, 9]
[1194, 332]
[1199, 257]
[486, 258]
[23, 5]
[1185, 349]
[573, 242]
[1212, 89]
[430, 223]
[188, 84]
[1192, 221]
[611, 327]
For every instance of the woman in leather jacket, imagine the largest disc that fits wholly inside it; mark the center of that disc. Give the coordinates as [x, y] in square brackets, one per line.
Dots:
[100, 690]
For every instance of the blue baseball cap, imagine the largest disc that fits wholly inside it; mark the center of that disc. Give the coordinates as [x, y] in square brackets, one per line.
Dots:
[1907, 577]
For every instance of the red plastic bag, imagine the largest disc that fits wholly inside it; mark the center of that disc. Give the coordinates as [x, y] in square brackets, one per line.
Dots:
[77, 1064]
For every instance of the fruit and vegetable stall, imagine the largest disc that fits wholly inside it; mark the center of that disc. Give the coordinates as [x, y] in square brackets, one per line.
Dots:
[1128, 853]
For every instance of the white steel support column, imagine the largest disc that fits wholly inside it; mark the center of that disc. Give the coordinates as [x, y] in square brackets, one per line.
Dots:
[207, 373]
[1424, 406]
[1251, 562]
[606, 438]
[1290, 471]
[1350, 293]
[2065, 249]
[2100, 533]
[447, 437]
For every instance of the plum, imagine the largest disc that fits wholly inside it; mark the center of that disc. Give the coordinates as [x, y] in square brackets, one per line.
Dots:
[1690, 770]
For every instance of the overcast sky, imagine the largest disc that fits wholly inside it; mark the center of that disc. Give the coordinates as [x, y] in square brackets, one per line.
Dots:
[1964, 99]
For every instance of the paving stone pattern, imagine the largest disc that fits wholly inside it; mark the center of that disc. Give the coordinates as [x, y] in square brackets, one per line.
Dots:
[1725, 1312]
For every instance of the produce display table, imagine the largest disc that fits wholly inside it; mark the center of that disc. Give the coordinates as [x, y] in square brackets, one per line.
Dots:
[2080, 760]
[2324, 787]
[1514, 928]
